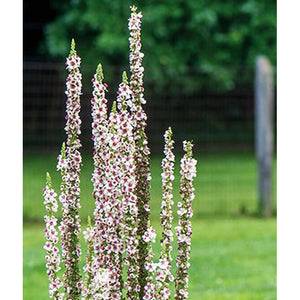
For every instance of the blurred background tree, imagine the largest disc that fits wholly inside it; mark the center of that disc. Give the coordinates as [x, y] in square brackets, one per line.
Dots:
[191, 45]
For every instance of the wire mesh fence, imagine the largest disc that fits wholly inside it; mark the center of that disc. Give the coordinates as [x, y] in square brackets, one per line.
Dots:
[221, 125]
[213, 120]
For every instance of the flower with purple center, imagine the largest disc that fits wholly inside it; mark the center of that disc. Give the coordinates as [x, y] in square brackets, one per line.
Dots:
[184, 228]
[69, 164]
[51, 234]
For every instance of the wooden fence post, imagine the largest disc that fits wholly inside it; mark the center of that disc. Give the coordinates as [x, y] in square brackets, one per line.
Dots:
[264, 108]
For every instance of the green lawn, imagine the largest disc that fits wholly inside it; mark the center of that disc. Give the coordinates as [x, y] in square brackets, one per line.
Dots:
[231, 259]
[225, 184]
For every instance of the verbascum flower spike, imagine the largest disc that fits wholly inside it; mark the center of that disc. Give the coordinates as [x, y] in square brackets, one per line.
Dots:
[150, 288]
[99, 287]
[69, 163]
[185, 213]
[112, 247]
[143, 175]
[164, 276]
[51, 235]
[99, 137]
[128, 188]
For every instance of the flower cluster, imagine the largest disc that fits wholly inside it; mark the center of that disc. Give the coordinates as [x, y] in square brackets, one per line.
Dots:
[51, 234]
[97, 279]
[88, 268]
[164, 276]
[99, 136]
[69, 164]
[73, 61]
[115, 213]
[73, 92]
[101, 281]
[185, 213]
[136, 82]
[128, 189]
[107, 248]
[119, 257]
[142, 173]
[149, 235]
[150, 289]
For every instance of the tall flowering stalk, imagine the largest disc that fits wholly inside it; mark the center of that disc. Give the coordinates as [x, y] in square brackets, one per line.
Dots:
[128, 188]
[164, 276]
[100, 156]
[143, 176]
[150, 289]
[185, 213]
[97, 279]
[69, 163]
[51, 234]
[112, 247]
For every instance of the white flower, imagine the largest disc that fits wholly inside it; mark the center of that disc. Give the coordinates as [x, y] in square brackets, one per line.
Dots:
[181, 238]
[181, 211]
[149, 235]
[88, 234]
[150, 267]
[163, 264]
[102, 277]
[166, 293]
[73, 62]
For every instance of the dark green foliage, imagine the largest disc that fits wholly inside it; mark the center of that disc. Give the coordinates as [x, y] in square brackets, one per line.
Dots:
[214, 43]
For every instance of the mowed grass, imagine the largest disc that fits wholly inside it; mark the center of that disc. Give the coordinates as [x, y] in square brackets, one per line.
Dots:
[226, 184]
[231, 259]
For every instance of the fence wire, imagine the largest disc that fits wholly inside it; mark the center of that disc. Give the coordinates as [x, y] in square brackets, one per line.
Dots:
[211, 120]
[221, 125]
